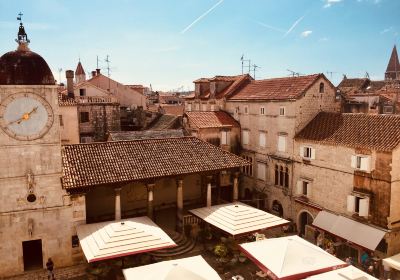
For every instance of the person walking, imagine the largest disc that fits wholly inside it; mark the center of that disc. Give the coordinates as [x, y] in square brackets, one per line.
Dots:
[50, 268]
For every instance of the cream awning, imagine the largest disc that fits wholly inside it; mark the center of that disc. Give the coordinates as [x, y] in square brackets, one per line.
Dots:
[353, 231]
[346, 273]
[238, 218]
[107, 240]
[193, 268]
[290, 257]
[393, 262]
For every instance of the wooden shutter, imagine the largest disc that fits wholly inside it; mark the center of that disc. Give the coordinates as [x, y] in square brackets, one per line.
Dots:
[351, 203]
[224, 138]
[364, 163]
[364, 207]
[354, 161]
[299, 187]
[262, 139]
[312, 153]
[302, 151]
[281, 143]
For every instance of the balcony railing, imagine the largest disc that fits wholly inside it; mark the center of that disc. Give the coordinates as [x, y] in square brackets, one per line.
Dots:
[95, 99]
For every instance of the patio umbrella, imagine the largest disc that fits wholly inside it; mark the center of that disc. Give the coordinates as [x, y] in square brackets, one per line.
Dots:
[290, 257]
[192, 268]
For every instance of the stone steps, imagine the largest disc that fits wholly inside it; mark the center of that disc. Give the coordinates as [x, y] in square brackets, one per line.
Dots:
[184, 245]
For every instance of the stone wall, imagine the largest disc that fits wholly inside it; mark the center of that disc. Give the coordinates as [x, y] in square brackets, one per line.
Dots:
[70, 125]
[102, 119]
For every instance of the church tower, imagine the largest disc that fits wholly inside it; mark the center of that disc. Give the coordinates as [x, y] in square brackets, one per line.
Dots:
[393, 68]
[35, 212]
[80, 75]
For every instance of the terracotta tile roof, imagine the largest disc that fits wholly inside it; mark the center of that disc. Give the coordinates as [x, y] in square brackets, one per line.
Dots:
[145, 134]
[64, 100]
[359, 86]
[377, 132]
[86, 165]
[79, 69]
[211, 119]
[237, 83]
[276, 88]
[165, 122]
[176, 110]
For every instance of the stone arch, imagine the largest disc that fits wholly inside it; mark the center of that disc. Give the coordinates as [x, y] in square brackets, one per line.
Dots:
[304, 217]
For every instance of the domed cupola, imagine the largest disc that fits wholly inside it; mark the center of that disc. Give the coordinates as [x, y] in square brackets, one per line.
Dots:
[24, 67]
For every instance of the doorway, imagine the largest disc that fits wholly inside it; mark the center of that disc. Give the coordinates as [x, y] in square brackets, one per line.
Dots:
[33, 256]
[305, 218]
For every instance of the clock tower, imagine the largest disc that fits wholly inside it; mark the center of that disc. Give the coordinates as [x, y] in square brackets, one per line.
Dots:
[36, 219]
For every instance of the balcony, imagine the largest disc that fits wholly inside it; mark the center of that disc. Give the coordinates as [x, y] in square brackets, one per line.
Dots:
[96, 99]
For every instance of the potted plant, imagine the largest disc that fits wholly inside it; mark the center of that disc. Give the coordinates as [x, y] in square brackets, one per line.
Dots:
[221, 251]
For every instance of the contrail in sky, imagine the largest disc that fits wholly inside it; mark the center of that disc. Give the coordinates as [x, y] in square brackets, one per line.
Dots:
[200, 17]
[271, 27]
[293, 26]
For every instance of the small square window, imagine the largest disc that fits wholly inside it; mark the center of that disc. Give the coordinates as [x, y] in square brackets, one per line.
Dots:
[262, 111]
[282, 111]
[84, 117]
[82, 92]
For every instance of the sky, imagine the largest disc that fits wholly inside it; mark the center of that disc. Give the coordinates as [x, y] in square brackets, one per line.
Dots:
[170, 43]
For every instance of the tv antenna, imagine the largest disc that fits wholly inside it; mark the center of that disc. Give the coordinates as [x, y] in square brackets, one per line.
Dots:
[107, 60]
[243, 61]
[330, 73]
[367, 75]
[254, 70]
[294, 73]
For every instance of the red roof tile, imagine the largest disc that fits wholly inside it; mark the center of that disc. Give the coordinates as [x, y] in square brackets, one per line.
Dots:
[211, 119]
[378, 132]
[86, 165]
[276, 88]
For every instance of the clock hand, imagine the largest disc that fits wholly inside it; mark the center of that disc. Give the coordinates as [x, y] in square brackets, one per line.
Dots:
[25, 116]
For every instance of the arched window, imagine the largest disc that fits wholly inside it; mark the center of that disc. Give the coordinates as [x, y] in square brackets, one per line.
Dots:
[321, 88]
[286, 185]
[276, 175]
[281, 177]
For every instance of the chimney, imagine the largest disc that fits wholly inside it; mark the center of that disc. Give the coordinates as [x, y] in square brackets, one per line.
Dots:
[93, 74]
[97, 71]
[69, 74]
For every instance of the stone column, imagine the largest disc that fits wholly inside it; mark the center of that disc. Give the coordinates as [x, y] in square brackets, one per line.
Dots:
[117, 203]
[209, 191]
[150, 210]
[179, 205]
[236, 187]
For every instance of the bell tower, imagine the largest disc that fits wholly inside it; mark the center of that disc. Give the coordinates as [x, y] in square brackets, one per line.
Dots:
[393, 68]
[35, 212]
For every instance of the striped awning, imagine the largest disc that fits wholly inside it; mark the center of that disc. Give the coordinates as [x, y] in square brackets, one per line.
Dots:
[108, 240]
[238, 218]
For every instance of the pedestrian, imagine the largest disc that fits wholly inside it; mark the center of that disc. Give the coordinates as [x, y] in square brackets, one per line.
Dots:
[50, 268]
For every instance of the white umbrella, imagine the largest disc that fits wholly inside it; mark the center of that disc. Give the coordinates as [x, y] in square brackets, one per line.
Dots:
[193, 268]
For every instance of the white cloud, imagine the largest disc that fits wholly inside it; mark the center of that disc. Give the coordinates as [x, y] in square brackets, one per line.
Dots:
[329, 3]
[324, 39]
[306, 33]
[386, 30]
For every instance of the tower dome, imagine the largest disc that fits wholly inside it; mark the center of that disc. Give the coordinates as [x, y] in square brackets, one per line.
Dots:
[24, 67]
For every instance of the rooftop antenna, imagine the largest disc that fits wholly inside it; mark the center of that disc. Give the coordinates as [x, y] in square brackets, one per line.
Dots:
[293, 73]
[367, 75]
[330, 73]
[245, 60]
[107, 60]
[254, 70]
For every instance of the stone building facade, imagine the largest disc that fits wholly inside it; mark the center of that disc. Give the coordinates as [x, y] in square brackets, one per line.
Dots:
[270, 113]
[348, 164]
[37, 217]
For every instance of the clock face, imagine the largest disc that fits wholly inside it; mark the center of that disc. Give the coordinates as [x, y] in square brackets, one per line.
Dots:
[25, 116]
